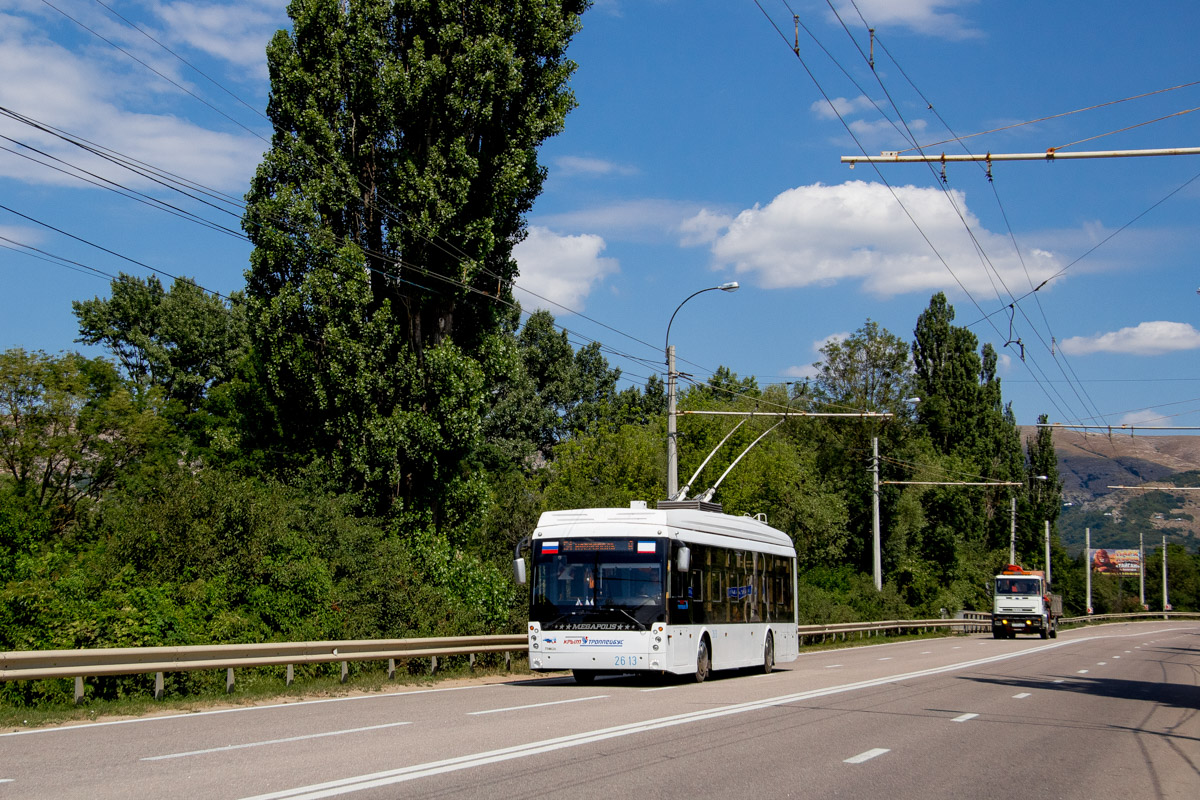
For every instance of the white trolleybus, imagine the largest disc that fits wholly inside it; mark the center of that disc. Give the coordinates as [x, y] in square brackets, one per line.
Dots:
[682, 589]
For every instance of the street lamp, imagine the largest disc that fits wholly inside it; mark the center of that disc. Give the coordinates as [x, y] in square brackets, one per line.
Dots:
[672, 447]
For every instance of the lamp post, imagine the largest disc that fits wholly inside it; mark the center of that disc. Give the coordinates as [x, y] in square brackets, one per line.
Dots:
[672, 447]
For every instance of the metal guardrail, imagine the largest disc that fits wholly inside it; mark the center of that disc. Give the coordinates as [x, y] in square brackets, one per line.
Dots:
[970, 623]
[78, 664]
[43, 664]
[1134, 615]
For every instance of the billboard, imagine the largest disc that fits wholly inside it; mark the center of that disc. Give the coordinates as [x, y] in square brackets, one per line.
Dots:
[1116, 562]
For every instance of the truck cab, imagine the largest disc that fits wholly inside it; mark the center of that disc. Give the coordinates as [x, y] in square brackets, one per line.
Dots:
[1022, 603]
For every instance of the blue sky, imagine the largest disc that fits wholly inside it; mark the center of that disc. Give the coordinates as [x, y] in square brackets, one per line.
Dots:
[704, 149]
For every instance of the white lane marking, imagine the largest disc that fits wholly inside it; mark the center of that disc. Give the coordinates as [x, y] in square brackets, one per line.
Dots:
[390, 777]
[1116, 657]
[536, 705]
[867, 756]
[832, 666]
[273, 741]
[660, 689]
[1083, 672]
[1060, 680]
[964, 717]
[1020, 696]
[926, 652]
[886, 658]
[193, 714]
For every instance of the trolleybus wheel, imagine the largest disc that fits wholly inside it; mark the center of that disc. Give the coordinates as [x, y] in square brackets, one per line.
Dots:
[769, 654]
[703, 664]
[584, 675]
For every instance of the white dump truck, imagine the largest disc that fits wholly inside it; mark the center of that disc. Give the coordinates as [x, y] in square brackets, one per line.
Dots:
[1022, 603]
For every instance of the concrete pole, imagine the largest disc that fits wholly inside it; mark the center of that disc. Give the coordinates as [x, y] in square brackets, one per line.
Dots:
[672, 445]
[1012, 534]
[1166, 602]
[1142, 571]
[1087, 564]
[1047, 554]
[878, 558]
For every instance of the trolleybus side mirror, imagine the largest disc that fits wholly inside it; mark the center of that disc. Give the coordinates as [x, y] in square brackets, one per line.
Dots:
[519, 563]
[683, 559]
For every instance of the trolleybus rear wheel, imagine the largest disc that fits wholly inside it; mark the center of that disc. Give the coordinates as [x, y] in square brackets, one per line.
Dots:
[703, 664]
[584, 675]
[769, 654]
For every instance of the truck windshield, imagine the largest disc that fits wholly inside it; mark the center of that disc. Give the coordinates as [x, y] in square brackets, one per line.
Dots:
[1006, 585]
[598, 584]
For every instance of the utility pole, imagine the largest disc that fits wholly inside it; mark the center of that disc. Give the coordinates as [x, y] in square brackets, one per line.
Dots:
[1047, 554]
[878, 556]
[1087, 559]
[1012, 533]
[1142, 571]
[1166, 602]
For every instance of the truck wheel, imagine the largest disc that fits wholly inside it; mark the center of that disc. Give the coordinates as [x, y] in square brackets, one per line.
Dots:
[1045, 632]
[1053, 631]
[997, 633]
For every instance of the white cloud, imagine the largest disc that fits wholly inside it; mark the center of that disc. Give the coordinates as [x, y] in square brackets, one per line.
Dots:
[927, 17]
[642, 220]
[1146, 339]
[234, 32]
[865, 232]
[1144, 418]
[579, 165]
[96, 92]
[806, 372]
[840, 106]
[809, 371]
[561, 270]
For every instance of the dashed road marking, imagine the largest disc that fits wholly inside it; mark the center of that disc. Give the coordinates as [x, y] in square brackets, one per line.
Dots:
[964, 717]
[1020, 696]
[536, 705]
[867, 756]
[272, 741]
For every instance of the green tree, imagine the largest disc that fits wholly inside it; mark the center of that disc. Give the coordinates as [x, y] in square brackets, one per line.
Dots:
[70, 429]
[383, 218]
[183, 341]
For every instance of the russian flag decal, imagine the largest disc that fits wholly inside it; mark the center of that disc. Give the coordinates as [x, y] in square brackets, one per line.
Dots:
[550, 548]
[643, 547]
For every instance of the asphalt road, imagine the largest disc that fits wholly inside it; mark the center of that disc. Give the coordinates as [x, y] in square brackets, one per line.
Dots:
[1104, 712]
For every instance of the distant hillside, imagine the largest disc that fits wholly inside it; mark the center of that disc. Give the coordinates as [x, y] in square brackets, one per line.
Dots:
[1089, 463]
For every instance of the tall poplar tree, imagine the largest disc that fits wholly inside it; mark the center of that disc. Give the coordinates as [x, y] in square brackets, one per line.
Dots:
[383, 219]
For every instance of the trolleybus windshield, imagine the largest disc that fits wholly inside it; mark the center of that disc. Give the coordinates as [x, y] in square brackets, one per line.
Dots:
[605, 583]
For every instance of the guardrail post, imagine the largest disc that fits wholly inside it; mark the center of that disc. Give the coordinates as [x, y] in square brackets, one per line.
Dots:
[78, 689]
[508, 662]
[432, 665]
[291, 675]
[391, 669]
[471, 660]
[158, 686]
[229, 680]
[345, 670]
